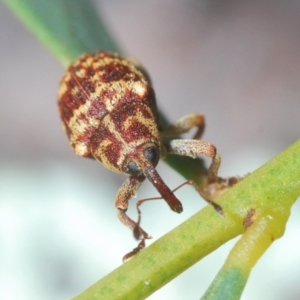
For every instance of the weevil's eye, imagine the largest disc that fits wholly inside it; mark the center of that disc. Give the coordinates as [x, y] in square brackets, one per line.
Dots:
[132, 169]
[152, 156]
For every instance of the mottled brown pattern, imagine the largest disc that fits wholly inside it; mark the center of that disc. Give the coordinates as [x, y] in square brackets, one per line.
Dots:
[98, 94]
[109, 113]
[106, 148]
[137, 130]
[115, 72]
[97, 109]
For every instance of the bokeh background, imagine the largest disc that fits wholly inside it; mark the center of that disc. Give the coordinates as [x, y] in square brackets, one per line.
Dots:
[238, 62]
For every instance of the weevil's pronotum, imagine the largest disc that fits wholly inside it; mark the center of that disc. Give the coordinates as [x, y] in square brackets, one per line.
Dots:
[109, 113]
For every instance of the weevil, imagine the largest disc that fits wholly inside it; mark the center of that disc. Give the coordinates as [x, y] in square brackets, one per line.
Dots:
[109, 112]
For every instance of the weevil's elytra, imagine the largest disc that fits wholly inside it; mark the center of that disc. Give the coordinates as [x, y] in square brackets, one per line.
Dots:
[108, 114]
[108, 110]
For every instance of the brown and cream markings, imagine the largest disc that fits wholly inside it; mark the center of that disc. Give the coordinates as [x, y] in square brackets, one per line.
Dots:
[108, 109]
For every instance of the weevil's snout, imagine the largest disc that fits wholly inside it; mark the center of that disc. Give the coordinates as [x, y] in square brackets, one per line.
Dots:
[163, 189]
[142, 162]
[146, 155]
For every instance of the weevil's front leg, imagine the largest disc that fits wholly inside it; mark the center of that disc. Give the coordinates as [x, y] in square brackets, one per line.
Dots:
[184, 124]
[193, 148]
[127, 190]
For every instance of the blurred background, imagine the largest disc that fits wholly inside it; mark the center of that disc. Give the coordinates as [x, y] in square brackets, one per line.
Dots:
[237, 62]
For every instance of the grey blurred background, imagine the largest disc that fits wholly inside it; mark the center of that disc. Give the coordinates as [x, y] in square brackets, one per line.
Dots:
[237, 62]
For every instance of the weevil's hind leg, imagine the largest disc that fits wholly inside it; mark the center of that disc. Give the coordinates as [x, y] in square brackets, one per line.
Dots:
[184, 124]
[193, 147]
[204, 195]
[126, 191]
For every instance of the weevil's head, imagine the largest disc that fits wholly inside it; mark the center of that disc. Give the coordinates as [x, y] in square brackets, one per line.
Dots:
[141, 158]
[142, 162]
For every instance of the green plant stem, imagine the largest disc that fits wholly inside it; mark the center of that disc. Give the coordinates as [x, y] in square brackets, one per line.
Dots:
[270, 191]
[232, 278]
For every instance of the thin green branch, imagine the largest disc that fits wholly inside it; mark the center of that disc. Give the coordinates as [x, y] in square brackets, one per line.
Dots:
[232, 278]
[265, 202]
[270, 191]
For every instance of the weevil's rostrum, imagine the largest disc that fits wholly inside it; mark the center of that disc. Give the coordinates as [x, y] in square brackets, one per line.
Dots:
[109, 113]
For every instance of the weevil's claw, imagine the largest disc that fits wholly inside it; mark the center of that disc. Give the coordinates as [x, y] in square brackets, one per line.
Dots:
[214, 189]
[216, 206]
[135, 251]
[218, 209]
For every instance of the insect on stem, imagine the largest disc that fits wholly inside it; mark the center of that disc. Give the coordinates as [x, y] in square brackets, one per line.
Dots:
[109, 112]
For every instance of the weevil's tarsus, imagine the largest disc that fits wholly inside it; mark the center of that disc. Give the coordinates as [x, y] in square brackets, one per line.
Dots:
[136, 250]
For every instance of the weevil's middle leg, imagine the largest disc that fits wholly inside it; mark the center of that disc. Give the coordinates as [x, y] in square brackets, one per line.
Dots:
[193, 147]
